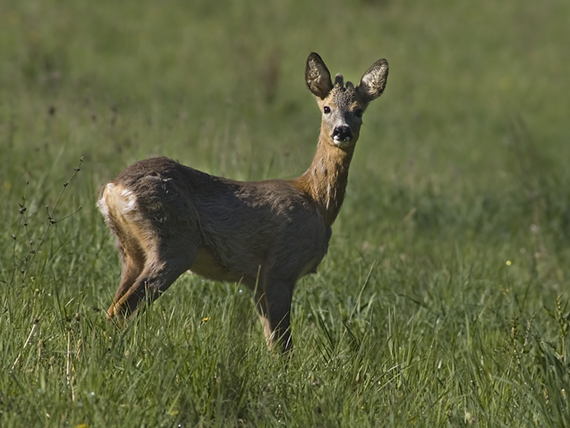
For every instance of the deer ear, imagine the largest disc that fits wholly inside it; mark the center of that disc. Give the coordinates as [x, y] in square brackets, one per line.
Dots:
[373, 81]
[317, 76]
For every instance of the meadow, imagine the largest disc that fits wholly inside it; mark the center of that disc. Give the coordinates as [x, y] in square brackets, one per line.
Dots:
[443, 300]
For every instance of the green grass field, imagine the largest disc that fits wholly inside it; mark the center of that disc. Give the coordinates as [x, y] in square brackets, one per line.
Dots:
[443, 299]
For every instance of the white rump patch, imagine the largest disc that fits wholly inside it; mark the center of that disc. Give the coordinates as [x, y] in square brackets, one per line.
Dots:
[102, 202]
[122, 200]
[129, 200]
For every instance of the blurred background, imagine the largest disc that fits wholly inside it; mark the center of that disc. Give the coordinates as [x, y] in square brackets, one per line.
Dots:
[195, 73]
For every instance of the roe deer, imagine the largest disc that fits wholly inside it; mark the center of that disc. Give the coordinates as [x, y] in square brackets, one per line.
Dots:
[169, 218]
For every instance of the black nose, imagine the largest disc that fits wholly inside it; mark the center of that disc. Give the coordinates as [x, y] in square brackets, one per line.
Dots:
[342, 132]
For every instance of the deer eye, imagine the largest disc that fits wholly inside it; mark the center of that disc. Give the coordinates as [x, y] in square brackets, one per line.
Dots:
[358, 112]
[327, 109]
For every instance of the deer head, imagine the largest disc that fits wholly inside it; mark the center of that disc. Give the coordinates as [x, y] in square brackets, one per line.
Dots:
[342, 106]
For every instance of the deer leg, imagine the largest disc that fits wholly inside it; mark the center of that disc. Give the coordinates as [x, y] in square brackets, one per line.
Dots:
[158, 274]
[133, 265]
[274, 308]
[261, 306]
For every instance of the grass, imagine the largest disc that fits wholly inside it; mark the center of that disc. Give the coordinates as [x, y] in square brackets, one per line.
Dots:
[443, 300]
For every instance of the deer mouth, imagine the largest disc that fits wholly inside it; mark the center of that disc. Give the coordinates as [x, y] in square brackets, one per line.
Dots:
[342, 135]
[342, 142]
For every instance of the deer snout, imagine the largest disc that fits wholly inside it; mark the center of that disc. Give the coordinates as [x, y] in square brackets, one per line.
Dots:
[342, 133]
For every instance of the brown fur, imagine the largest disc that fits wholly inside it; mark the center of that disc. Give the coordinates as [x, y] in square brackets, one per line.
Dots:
[169, 218]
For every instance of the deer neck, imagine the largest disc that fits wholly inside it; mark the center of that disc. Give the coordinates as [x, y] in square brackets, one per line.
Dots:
[326, 179]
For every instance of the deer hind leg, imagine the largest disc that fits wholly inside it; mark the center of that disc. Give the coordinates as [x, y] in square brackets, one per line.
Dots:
[117, 206]
[133, 261]
[158, 264]
[159, 273]
[151, 260]
[273, 301]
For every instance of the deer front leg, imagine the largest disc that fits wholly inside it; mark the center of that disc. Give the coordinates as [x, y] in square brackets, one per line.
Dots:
[273, 302]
